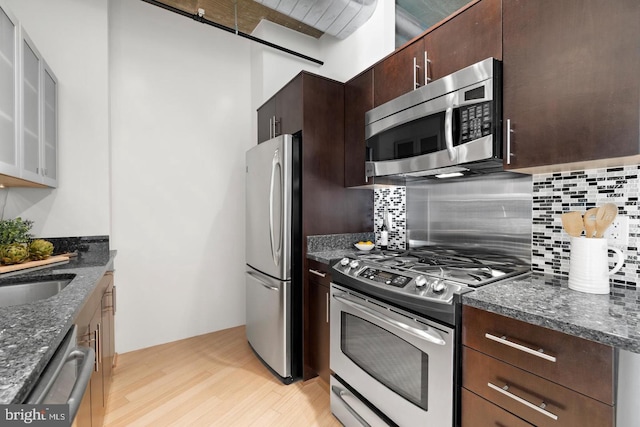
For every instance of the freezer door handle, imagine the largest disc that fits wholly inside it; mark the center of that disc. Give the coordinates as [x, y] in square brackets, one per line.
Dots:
[275, 251]
[262, 282]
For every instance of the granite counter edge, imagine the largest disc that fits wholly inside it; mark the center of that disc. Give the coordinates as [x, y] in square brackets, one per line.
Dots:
[601, 337]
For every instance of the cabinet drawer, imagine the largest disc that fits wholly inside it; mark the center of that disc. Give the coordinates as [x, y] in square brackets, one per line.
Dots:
[318, 272]
[477, 411]
[487, 377]
[581, 365]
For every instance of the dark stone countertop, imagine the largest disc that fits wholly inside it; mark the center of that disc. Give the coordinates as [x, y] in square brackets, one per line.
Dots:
[328, 247]
[547, 301]
[30, 333]
[327, 256]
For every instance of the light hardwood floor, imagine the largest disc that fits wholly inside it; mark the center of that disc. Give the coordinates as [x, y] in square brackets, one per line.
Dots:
[210, 380]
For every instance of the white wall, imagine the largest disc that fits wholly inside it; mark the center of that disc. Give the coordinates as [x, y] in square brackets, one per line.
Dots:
[164, 176]
[180, 98]
[373, 41]
[73, 38]
[343, 59]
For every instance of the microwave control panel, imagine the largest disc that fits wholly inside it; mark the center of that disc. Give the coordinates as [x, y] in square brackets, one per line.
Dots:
[476, 121]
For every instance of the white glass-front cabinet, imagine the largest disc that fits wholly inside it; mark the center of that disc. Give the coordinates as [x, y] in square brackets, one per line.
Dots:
[9, 77]
[39, 116]
[31, 117]
[50, 127]
[28, 109]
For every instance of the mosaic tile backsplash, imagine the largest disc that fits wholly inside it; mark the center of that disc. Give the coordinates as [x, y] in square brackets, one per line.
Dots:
[395, 200]
[554, 194]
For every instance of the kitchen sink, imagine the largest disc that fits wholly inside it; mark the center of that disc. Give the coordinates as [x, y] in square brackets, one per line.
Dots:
[25, 291]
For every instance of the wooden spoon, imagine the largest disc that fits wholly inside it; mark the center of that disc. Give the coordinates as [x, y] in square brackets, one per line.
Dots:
[604, 217]
[572, 223]
[590, 222]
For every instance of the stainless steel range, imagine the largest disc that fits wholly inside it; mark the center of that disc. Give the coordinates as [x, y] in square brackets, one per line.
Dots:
[395, 331]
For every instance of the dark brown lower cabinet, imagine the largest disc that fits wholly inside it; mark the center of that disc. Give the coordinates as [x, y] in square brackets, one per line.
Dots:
[95, 329]
[316, 334]
[534, 399]
[534, 374]
[477, 412]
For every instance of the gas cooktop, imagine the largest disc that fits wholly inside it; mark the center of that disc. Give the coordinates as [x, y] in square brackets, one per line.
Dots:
[427, 277]
[472, 267]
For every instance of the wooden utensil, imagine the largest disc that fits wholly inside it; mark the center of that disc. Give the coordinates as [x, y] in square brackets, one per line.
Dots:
[590, 222]
[572, 223]
[604, 217]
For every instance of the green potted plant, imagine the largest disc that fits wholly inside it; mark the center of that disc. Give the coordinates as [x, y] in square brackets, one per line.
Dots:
[14, 238]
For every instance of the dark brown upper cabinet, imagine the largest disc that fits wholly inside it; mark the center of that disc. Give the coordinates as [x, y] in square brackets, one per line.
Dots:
[470, 36]
[571, 86]
[358, 99]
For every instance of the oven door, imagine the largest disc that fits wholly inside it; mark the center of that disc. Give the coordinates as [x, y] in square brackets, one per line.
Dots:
[400, 363]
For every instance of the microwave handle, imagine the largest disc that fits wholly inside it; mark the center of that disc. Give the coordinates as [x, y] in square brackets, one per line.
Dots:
[448, 133]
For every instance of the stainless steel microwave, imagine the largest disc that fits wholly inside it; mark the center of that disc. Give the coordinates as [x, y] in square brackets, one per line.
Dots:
[450, 125]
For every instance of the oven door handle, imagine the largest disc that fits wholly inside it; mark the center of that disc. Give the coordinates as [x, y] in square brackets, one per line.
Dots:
[426, 333]
[340, 394]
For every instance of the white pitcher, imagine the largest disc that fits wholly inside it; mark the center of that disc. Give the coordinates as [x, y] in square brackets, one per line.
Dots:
[589, 265]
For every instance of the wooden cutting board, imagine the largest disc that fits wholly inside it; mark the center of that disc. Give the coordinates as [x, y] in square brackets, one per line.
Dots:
[31, 264]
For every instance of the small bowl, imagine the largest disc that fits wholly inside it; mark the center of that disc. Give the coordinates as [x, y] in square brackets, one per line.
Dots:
[365, 247]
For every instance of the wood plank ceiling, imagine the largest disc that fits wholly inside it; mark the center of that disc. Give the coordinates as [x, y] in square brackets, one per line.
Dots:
[249, 14]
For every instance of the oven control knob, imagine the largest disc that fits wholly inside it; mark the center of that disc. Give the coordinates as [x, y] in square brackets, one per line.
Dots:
[438, 286]
[421, 281]
[344, 262]
[354, 263]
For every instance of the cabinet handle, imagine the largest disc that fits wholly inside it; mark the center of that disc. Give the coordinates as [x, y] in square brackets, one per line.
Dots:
[503, 340]
[98, 347]
[509, 132]
[427, 61]
[327, 298]
[111, 307]
[416, 67]
[273, 130]
[317, 273]
[504, 390]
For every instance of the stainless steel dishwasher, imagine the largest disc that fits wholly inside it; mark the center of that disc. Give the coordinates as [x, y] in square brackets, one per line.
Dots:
[66, 377]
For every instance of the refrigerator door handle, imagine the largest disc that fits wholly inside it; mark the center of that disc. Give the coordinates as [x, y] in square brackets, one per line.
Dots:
[262, 282]
[275, 252]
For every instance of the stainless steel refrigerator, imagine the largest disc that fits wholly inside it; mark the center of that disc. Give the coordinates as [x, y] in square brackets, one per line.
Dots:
[274, 255]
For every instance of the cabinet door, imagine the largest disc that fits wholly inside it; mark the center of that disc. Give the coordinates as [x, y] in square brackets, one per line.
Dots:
[468, 37]
[316, 351]
[97, 383]
[571, 80]
[83, 417]
[532, 398]
[477, 411]
[50, 126]
[289, 107]
[266, 116]
[9, 90]
[358, 99]
[397, 75]
[319, 316]
[31, 113]
[108, 342]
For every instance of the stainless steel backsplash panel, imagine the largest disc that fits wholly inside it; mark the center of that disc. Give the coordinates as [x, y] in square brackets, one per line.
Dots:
[491, 211]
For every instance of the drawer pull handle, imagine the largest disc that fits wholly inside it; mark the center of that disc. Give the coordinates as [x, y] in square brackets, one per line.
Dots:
[505, 390]
[317, 273]
[503, 340]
